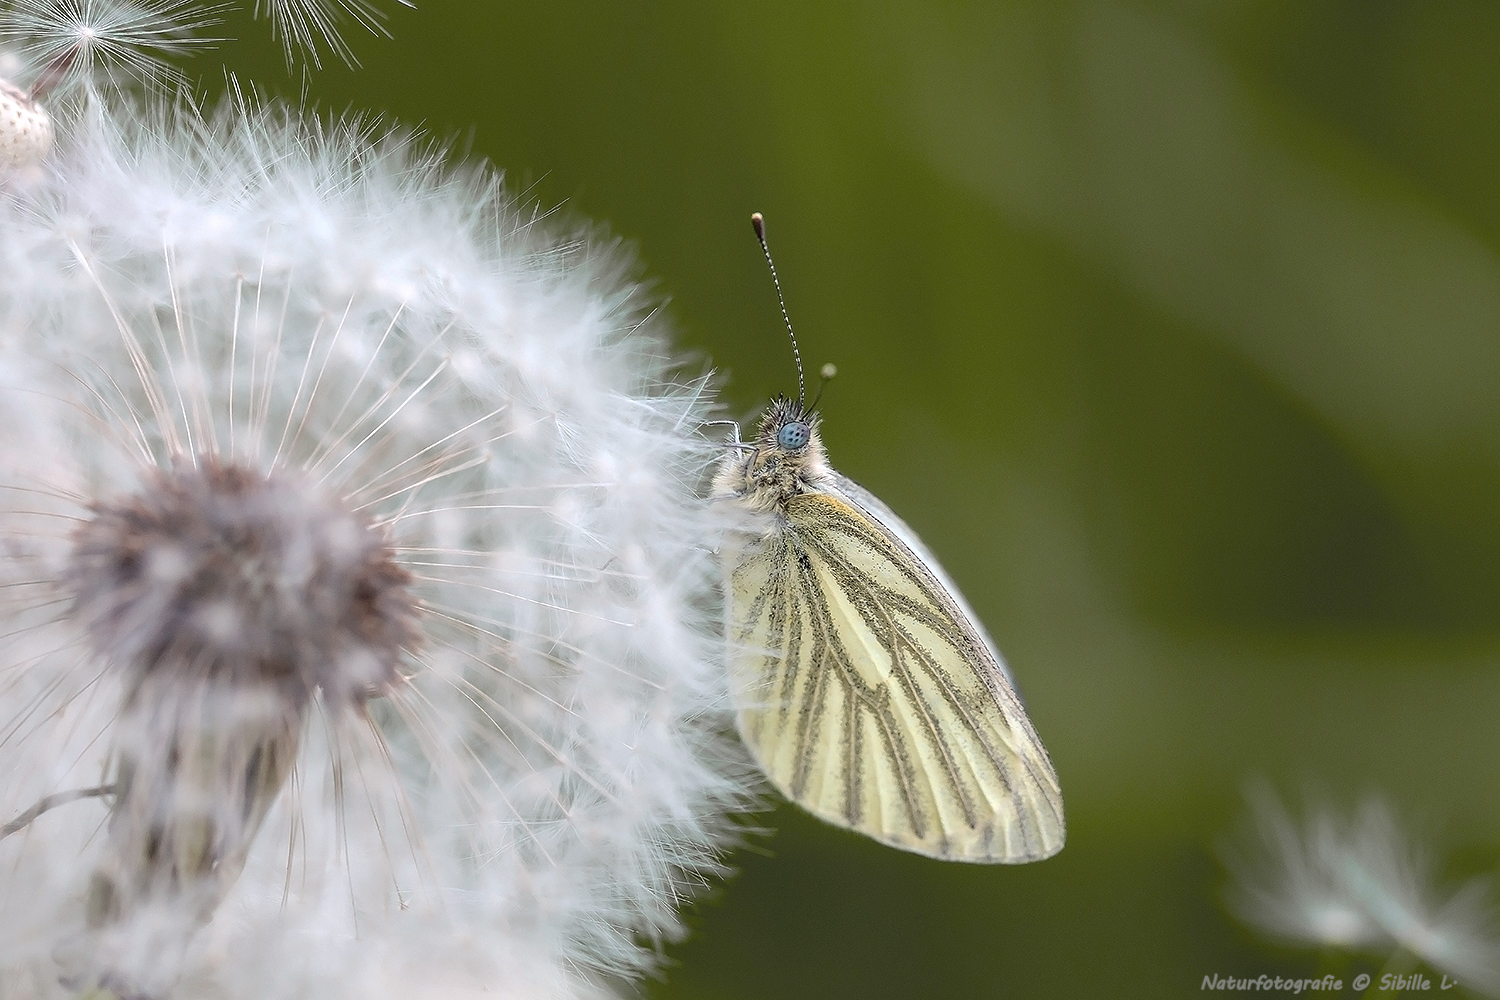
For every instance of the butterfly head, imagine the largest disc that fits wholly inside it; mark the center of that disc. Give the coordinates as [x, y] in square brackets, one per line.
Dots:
[788, 431]
[784, 459]
[792, 425]
[788, 449]
[786, 426]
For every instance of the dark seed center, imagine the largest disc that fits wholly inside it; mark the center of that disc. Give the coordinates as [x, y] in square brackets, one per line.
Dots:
[229, 575]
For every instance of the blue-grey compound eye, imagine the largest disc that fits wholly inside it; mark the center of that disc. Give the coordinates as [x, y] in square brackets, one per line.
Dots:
[793, 435]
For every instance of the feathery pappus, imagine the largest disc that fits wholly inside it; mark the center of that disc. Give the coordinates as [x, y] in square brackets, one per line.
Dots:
[1358, 882]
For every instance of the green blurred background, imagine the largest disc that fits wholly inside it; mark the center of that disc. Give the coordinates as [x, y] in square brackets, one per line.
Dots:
[1174, 329]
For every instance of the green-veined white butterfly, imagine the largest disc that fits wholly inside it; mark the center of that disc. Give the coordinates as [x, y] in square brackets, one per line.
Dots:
[867, 690]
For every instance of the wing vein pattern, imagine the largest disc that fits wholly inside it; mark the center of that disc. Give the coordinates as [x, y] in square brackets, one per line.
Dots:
[870, 698]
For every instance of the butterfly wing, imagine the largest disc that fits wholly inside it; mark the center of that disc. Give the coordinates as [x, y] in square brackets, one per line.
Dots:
[875, 508]
[871, 698]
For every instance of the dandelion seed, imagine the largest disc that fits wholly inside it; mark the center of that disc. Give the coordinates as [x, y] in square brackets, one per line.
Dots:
[81, 50]
[354, 629]
[304, 25]
[103, 45]
[1359, 885]
[25, 131]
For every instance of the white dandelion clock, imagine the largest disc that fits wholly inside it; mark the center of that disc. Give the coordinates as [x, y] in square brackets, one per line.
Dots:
[1360, 884]
[355, 636]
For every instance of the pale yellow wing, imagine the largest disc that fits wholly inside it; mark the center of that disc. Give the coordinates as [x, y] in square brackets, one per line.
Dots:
[871, 699]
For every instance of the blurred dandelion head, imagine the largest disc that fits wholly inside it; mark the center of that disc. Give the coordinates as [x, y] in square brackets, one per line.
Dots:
[58, 58]
[358, 620]
[1359, 884]
[114, 45]
[73, 51]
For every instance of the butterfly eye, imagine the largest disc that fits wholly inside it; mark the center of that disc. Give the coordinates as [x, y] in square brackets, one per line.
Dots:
[793, 435]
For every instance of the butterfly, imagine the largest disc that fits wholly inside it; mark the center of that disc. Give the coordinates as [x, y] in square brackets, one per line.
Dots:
[867, 690]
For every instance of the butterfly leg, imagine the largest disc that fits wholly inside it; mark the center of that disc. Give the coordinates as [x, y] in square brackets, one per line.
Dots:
[736, 443]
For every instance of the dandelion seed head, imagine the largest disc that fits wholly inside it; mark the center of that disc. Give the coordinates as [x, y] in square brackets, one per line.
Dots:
[335, 479]
[219, 569]
[92, 47]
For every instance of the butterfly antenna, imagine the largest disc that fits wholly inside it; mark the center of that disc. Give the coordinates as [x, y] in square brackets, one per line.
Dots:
[828, 372]
[759, 222]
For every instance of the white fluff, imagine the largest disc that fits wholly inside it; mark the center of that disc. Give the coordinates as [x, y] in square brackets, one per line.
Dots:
[529, 808]
[1360, 884]
[119, 44]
